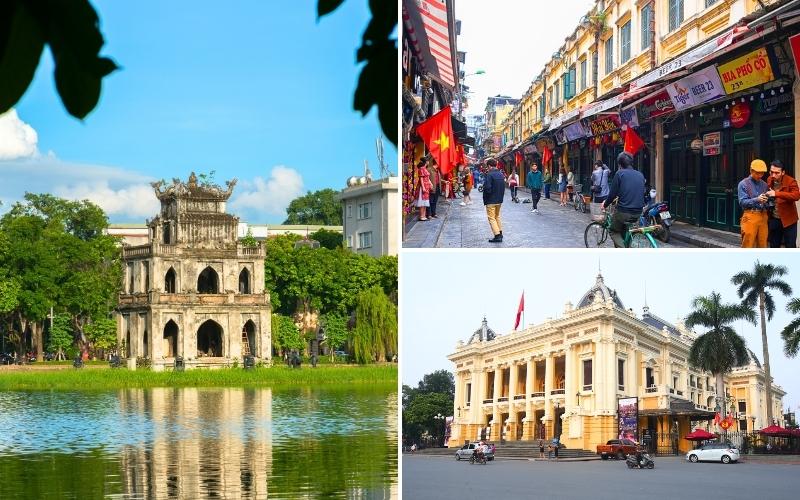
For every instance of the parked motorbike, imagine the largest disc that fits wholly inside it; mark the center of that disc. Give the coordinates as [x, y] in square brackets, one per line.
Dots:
[656, 213]
[644, 463]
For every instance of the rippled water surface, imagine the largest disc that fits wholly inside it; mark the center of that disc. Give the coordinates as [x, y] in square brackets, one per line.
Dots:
[199, 443]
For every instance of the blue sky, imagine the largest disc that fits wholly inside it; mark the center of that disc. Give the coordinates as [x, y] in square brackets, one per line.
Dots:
[257, 90]
[469, 284]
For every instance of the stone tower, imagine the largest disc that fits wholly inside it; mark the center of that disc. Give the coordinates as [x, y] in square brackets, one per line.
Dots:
[194, 290]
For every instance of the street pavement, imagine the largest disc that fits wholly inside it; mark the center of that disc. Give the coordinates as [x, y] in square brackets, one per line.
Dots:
[467, 227]
[429, 477]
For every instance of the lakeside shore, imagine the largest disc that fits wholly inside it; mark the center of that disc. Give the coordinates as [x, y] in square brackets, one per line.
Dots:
[91, 378]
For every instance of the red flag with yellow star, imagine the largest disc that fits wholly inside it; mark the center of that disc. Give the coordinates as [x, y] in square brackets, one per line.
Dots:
[437, 133]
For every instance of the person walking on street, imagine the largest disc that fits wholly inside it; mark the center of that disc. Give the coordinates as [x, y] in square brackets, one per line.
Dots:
[494, 189]
[562, 187]
[600, 182]
[547, 179]
[436, 190]
[783, 218]
[752, 193]
[534, 182]
[541, 448]
[628, 186]
[423, 189]
[570, 186]
[513, 182]
[468, 181]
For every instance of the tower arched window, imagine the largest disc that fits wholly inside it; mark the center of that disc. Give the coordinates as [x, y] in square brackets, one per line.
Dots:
[208, 281]
[244, 281]
[170, 280]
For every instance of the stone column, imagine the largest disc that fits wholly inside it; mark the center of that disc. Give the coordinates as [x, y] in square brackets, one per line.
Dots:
[512, 413]
[573, 381]
[496, 416]
[549, 379]
[529, 424]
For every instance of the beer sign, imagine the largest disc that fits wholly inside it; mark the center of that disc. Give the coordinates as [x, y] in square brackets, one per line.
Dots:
[695, 89]
[657, 105]
[747, 71]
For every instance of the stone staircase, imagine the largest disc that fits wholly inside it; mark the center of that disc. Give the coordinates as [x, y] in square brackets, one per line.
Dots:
[518, 450]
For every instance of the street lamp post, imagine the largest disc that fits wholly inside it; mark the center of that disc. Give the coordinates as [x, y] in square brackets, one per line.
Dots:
[461, 91]
[440, 417]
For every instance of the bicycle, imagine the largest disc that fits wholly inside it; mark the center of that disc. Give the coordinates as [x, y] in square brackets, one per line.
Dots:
[597, 234]
[578, 200]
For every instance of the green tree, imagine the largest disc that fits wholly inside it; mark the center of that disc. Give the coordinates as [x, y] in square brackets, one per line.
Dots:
[419, 412]
[317, 208]
[335, 332]
[791, 333]
[285, 335]
[249, 241]
[755, 288]
[720, 348]
[327, 239]
[102, 333]
[61, 335]
[375, 334]
[71, 30]
[439, 381]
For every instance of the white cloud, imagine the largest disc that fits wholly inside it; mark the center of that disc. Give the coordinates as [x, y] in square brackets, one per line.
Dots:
[135, 201]
[270, 196]
[17, 138]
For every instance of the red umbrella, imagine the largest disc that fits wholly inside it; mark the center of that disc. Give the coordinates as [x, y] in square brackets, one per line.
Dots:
[776, 431]
[700, 435]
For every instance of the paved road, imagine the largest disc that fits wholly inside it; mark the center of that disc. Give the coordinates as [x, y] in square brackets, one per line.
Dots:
[467, 227]
[673, 478]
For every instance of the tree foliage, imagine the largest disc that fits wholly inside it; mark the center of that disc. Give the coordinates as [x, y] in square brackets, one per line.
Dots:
[317, 208]
[102, 333]
[327, 239]
[285, 334]
[433, 395]
[374, 337]
[791, 332]
[335, 332]
[71, 31]
[61, 335]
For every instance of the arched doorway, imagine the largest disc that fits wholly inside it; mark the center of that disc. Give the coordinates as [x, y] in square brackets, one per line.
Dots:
[208, 281]
[170, 339]
[249, 338]
[128, 349]
[146, 353]
[244, 281]
[209, 340]
[169, 281]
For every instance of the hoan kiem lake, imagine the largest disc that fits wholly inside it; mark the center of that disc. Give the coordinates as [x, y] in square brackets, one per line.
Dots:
[334, 441]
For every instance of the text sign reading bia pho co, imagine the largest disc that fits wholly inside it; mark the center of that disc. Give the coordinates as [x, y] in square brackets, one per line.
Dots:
[747, 71]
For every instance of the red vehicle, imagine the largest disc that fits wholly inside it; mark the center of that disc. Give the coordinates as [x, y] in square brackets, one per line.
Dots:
[617, 448]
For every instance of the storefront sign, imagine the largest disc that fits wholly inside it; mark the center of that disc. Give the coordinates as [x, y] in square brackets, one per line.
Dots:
[747, 71]
[740, 114]
[575, 131]
[628, 411]
[561, 138]
[711, 143]
[657, 105]
[529, 149]
[600, 106]
[605, 125]
[695, 89]
[629, 117]
[770, 104]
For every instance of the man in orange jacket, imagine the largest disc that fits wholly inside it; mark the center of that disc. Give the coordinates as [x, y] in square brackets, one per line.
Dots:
[783, 219]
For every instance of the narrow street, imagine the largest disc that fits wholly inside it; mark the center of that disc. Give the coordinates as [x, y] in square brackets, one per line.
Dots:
[466, 227]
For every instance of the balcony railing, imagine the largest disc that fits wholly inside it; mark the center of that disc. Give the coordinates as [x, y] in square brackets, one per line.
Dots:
[539, 394]
[502, 400]
[652, 388]
[488, 401]
[556, 391]
[519, 396]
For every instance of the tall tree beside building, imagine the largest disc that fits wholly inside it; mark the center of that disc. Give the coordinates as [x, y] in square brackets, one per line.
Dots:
[433, 395]
[320, 208]
[720, 348]
[755, 289]
[791, 333]
[374, 337]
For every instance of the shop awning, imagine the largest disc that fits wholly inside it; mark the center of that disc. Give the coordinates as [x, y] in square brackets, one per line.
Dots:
[428, 27]
[680, 407]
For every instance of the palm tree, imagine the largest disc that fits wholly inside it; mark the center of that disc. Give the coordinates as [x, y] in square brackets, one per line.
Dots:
[791, 334]
[754, 288]
[719, 349]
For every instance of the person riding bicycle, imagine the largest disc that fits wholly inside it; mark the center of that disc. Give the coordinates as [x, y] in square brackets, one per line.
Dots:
[628, 186]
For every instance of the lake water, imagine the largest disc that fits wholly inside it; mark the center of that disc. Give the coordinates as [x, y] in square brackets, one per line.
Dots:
[199, 443]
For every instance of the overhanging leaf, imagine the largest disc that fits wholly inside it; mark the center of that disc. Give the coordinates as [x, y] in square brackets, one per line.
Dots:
[21, 46]
[325, 7]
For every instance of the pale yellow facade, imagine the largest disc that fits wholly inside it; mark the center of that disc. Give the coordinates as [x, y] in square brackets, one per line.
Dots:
[564, 377]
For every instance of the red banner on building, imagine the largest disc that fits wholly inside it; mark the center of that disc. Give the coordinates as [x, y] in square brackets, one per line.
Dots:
[604, 125]
[657, 105]
[794, 42]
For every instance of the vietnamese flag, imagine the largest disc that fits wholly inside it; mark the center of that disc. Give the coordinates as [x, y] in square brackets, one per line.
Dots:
[517, 158]
[547, 155]
[437, 133]
[520, 309]
[633, 142]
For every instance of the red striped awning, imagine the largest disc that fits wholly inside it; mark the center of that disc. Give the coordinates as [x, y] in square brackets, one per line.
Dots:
[428, 28]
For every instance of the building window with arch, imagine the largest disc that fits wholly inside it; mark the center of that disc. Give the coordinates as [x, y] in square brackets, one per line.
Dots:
[170, 280]
[587, 374]
[244, 282]
[621, 374]
[208, 281]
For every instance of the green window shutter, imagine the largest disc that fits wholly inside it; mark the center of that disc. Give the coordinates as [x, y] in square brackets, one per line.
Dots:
[743, 137]
[781, 132]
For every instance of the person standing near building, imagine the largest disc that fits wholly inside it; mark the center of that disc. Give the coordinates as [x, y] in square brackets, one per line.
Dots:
[423, 189]
[468, 181]
[436, 189]
[783, 219]
[752, 193]
[600, 182]
[494, 188]
[513, 183]
[547, 179]
[562, 187]
[534, 182]
[570, 185]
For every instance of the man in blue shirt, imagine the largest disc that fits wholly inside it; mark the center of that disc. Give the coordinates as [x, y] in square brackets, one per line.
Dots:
[753, 198]
[628, 186]
[494, 189]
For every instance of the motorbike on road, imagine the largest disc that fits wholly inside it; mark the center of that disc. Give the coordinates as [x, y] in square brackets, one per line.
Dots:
[656, 213]
[645, 462]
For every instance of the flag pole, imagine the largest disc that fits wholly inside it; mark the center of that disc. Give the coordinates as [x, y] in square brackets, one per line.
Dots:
[523, 310]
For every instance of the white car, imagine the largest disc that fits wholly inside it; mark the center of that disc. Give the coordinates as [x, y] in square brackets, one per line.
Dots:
[467, 450]
[714, 452]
